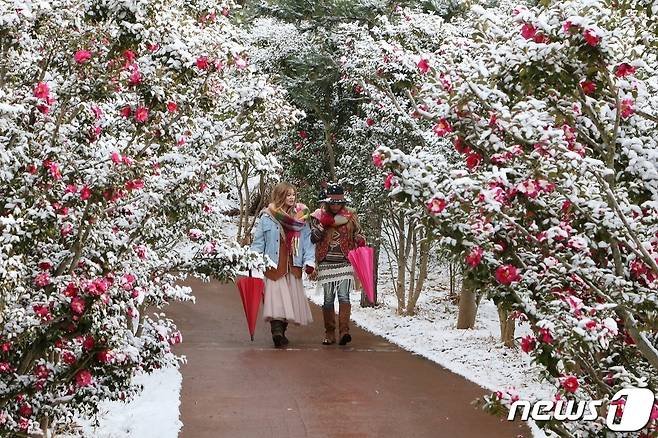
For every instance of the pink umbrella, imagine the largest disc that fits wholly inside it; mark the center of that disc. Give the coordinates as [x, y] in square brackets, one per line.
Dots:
[362, 260]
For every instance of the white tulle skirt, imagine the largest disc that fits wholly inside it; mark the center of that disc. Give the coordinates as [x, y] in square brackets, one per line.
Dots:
[285, 299]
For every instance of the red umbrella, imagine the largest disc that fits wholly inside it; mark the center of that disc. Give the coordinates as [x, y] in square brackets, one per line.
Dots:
[251, 292]
[362, 260]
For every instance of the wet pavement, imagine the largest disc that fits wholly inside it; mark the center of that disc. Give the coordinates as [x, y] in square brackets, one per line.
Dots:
[233, 387]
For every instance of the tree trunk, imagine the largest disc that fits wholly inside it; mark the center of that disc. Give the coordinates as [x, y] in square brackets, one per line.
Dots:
[420, 281]
[507, 327]
[331, 156]
[375, 227]
[402, 263]
[468, 306]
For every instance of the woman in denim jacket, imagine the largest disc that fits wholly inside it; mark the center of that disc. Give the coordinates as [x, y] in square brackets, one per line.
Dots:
[283, 235]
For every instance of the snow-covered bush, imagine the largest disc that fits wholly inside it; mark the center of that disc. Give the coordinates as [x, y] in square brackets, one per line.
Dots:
[120, 123]
[553, 207]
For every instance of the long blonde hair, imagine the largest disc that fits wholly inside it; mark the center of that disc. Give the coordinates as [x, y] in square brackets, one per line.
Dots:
[280, 193]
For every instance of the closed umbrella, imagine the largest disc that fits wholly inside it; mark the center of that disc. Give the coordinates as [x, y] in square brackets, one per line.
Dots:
[362, 260]
[251, 292]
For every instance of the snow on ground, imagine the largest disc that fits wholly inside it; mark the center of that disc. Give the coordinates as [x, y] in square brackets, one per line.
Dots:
[476, 354]
[154, 413]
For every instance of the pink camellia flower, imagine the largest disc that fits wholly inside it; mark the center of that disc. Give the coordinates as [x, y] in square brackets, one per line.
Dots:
[240, 63]
[507, 274]
[436, 205]
[528, 31]
[127, 160]
[423, 65]
[442, 128]
[569, 27]
[202, 186]
[474, 257]
[42, 279]
[42, 91]
[624, 69]
[194, 234]
[5, 347]
[377, 159]
[83, 378]
[172, 107]
[591, 37]
[570, 384]
[85, 193]
[82, 56]
[528, 343]
[116, 157]
[135, 78]
[129, 55]
[473, 160]
[5, 367]
[66, 229]
[126, 111]
[627, 108]
[141, 114]
[78, 305]
[388, 182]
[530, 188]
[202, 62]
[71, 188]
[588, 87]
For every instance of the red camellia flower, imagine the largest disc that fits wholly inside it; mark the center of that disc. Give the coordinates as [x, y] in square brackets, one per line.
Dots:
[460, 146]
[105, 356]
[546, 336]
[570, 384]
[78, 305]
[588, 87]
[436, 205]
[303, 134]
[68, 357]
[135, 184]
[442, 128]
[474, 257]
[126, 111]
[25, 411]
[202, 62]
[88, 343]
[41, 371]
[624, 69]
[473, 160]
[141, 114]
[528, 31]
[5, 367]
[42, 91]
[528, 343]
[377, 159]
[507, 274]
[370, 122]
[83, 378]
[423, 65]
[172, 107]
[591, 37]
[129, 55]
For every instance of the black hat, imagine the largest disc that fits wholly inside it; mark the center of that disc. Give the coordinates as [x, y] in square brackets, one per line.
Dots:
[335, 194]
[322, 195]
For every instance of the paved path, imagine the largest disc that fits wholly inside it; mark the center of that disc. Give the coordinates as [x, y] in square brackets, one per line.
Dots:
[235, 388]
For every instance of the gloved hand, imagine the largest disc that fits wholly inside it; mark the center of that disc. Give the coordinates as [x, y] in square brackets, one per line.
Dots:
[309, 269]
[360, 241]
[327, 220]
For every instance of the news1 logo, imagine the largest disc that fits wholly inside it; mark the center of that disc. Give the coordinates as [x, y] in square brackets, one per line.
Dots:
[635, 413]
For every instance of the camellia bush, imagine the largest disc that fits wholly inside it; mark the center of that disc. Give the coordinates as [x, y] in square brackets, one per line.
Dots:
[120, 123]
[553, 205]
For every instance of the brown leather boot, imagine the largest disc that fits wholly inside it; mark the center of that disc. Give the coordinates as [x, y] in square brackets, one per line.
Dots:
[344, 310]
[329, 317]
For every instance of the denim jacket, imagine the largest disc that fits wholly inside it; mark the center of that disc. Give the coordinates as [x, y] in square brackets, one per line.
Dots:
[266, 241]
